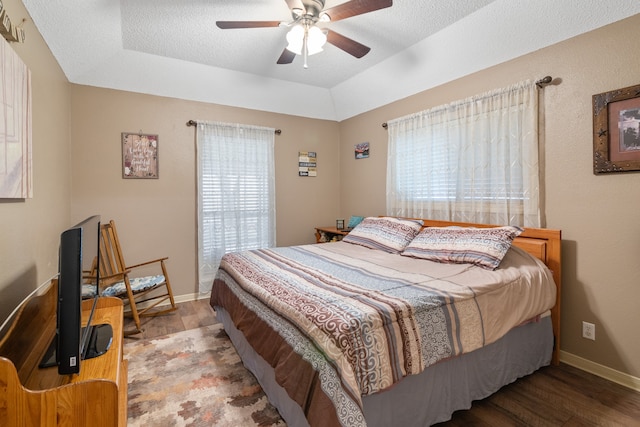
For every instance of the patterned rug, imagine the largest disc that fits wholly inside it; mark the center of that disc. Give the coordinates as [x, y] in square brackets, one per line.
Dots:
[194, 378]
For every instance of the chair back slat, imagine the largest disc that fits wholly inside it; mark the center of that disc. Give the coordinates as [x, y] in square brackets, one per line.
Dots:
[111, 258]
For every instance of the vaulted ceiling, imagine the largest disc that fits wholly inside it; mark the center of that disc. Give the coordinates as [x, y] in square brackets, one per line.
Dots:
[173, 47]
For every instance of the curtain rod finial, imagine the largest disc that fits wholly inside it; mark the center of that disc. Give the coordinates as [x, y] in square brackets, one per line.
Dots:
[544, 81]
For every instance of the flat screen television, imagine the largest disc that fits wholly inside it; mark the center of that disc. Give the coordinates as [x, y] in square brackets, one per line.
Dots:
[78, 266]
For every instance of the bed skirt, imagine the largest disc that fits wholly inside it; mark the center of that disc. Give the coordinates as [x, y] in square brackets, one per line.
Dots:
[431, 396]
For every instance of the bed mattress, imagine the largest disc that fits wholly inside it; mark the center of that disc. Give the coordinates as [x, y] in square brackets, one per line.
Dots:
[339, 322]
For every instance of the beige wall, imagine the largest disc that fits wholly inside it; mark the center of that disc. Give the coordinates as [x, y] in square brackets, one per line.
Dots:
[598, 215]
[30, 228]
[77, 172]
[157, 217]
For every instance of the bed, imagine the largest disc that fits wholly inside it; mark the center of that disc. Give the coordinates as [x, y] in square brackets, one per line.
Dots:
[402, 323]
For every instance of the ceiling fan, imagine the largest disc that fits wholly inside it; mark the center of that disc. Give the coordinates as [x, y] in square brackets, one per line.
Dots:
[305, 37]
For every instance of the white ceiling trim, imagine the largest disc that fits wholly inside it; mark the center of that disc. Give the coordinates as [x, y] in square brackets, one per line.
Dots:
[497, 33]
[85, 36]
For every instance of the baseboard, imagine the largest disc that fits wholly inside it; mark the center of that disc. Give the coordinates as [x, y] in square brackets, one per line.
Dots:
[600, 370]
[190, 297]
[178, 299]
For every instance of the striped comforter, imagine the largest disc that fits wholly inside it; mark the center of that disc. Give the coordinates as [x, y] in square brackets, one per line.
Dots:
[338, 321]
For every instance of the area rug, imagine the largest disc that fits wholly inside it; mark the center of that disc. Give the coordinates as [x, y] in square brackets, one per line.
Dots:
[194, 378]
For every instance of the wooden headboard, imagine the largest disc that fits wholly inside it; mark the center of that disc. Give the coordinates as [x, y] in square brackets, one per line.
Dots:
[545, 244]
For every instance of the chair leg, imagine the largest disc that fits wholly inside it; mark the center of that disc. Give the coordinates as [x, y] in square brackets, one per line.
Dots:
[168, 284]
[134, 310]
[132, 332]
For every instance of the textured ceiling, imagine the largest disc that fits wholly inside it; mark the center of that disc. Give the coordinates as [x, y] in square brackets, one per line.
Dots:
[186, 30]
[173, 47]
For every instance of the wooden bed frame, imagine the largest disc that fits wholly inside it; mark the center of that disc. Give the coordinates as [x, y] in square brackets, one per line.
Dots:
[545, 244]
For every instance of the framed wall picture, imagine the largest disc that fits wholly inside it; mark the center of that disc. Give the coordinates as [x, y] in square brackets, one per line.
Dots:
[307, 163]
[616, 131]
[139, 155]
[362, 150]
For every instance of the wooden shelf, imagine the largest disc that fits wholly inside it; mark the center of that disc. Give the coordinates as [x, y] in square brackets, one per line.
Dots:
[29, 395]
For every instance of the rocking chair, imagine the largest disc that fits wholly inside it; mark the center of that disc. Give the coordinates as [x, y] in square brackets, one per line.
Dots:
[141, 295]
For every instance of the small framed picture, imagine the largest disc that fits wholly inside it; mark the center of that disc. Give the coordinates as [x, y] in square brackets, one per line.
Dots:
[340, 224]
[139, 155]
[362, 150]
[307, 163]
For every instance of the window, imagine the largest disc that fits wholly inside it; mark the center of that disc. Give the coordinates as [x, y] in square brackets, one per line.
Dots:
[475, 160]
[236, 193]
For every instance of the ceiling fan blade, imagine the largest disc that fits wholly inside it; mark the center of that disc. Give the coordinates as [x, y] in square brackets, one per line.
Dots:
[350, 46]
[356, 7]
[286, 57]
[226, 25]
[295, 4]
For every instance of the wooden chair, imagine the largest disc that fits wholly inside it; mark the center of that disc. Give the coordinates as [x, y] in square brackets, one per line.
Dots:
[141, 295]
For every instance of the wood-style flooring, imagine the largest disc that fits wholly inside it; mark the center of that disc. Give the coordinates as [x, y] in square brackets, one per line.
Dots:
[553, 396]
[189, 315]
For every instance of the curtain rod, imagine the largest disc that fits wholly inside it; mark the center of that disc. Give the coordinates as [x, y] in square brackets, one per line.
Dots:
[540, 83]
[194, 123]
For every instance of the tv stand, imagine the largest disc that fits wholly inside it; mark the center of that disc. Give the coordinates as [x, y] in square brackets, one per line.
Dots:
[30, 395]
[99, 341]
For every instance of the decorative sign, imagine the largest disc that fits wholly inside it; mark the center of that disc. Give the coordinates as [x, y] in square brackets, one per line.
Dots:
[362, 150]
[307, 165]
[139, 155]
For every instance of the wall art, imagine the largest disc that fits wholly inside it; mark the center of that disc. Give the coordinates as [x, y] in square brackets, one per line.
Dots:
[307, 163]
[616, 131]
[16, 174]
[362, 150]
[139, 155]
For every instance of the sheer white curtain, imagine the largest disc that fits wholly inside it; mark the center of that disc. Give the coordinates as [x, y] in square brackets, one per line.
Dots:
[475, 160]
[236, 193]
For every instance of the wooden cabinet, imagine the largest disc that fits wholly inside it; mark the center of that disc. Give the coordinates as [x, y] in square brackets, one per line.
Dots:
[329, 234]
[31, 396]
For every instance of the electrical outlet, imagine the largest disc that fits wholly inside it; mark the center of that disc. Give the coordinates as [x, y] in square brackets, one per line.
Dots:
[588, 331]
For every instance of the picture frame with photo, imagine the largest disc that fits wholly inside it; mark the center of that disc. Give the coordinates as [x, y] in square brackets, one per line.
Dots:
[616, 131]
[361, 150]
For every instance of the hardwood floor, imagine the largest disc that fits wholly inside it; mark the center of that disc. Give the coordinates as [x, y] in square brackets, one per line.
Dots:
[553, 396]
[189, 315]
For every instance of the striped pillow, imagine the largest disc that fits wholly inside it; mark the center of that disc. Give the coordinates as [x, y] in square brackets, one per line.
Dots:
[484, 247]
[386, 234]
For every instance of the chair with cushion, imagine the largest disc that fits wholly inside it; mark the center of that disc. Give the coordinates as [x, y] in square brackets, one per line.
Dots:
[142, 295]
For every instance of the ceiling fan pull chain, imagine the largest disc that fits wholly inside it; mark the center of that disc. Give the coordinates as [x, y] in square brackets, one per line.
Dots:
[305, 50]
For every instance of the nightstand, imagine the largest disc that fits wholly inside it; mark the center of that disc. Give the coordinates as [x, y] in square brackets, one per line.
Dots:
[329, 234]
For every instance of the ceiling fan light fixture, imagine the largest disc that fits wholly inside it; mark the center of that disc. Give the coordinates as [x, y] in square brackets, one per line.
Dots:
[313, 37]
[316, 38]
[295, 39]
